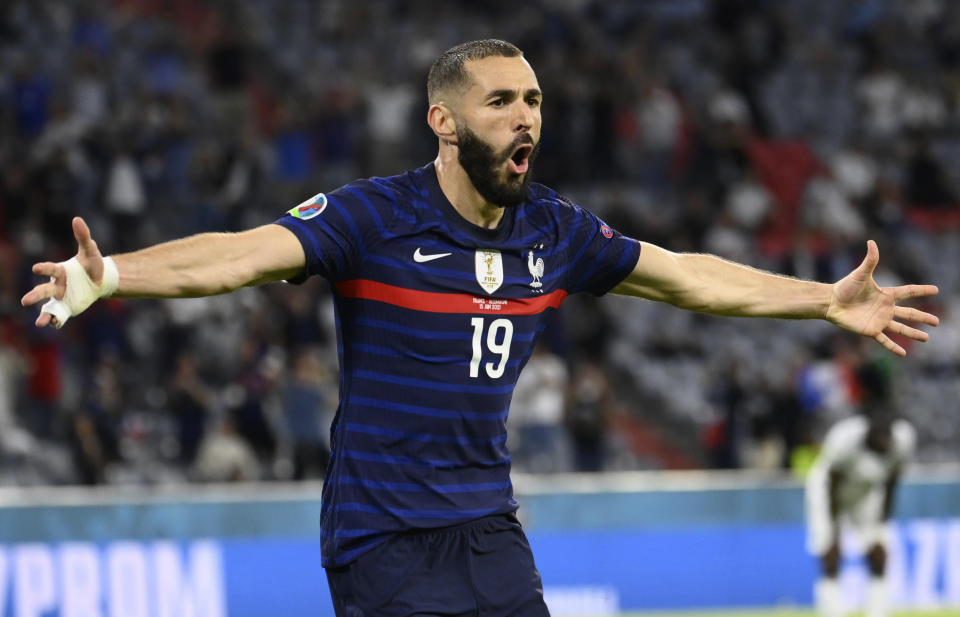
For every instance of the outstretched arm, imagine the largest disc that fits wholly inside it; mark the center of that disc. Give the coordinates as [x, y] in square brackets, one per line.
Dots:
[200, 265]
[708, 284]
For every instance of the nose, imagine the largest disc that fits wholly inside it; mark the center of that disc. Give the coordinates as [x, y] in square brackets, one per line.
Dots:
[523, 117]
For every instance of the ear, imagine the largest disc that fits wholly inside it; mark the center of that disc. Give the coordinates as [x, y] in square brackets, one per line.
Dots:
[441, 120]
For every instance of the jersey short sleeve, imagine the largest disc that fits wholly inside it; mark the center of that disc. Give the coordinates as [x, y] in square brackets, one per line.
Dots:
[336, 229]
[904, 440]
[599, 257]
[842, 440]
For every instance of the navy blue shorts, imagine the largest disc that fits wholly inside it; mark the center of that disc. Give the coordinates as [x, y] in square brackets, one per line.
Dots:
[483, 568]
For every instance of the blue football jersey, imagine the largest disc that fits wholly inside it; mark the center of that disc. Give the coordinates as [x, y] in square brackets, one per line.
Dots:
[435, 319]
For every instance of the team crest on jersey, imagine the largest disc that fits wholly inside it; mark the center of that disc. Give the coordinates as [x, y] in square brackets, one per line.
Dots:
[536, 270]
[489, 269]
[310, 208]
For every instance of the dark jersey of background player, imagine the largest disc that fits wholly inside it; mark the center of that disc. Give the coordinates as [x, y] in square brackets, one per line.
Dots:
[435, 318]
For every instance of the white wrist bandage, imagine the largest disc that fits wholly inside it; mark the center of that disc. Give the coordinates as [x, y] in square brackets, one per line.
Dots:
[81, 290]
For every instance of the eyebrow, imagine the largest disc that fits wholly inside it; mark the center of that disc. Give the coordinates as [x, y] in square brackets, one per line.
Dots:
[507, 93]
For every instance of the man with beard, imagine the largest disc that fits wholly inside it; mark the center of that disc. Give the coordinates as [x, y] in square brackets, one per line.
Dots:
[443, 277]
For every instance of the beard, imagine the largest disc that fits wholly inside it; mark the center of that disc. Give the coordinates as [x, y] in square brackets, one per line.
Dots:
[485, 168]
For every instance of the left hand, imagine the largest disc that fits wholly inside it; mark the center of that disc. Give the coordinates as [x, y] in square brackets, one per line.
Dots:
[858, 304]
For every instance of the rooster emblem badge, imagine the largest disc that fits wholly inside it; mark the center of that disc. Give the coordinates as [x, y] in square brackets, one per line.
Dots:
[536, 270]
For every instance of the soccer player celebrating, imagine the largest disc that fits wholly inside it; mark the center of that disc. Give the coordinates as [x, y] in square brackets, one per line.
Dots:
[443, 278]
[851, 484]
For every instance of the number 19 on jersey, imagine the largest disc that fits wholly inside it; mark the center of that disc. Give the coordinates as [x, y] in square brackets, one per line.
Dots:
[499, 335]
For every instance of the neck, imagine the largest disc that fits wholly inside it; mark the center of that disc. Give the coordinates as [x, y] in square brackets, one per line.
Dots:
[460, 192]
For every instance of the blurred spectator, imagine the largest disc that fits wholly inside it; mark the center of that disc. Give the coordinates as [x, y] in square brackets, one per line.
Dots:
[242, 176]
[224, 456]
[787, 413]
[189, 405]
[726, 239]
[229, 64]
[301, 306]
[41, 411]
[765, 448]
[535, 424]
[589, 408]
[31, 96]
[927, 183]
[308, 412]
[828, 387]
[15, 442]
[827, 210]
[880, 92]
[293, 148]
[923, 109]
[89, 96]
[247, 398]
[727, 438]
[93, 430]
[390, 107]
[650, 136]
[125, 199]
[748, 203]
[337, 129]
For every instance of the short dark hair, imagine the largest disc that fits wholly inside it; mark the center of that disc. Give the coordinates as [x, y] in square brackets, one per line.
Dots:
[448, 70]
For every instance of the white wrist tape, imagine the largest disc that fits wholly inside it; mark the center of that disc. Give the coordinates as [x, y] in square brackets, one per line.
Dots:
[81, 290]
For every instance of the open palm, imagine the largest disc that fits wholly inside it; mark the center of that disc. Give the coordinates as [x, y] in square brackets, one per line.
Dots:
[860, 305]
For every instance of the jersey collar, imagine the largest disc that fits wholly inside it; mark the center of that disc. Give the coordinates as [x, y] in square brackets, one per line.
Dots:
[430, 184]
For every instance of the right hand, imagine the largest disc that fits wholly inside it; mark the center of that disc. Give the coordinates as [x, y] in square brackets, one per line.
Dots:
[89, 257]
[860, 305]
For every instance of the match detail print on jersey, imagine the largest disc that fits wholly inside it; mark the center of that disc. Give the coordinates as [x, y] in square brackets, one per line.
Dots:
[421, 258]
[434, 302]
[489, 269]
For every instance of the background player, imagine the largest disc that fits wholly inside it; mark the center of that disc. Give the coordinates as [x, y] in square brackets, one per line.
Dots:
[851, 485]
[438, 310]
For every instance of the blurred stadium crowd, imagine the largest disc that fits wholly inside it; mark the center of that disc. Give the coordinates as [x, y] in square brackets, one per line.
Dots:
[781, 134]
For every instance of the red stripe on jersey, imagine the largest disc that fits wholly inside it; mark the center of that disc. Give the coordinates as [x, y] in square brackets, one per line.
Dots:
[434, 302]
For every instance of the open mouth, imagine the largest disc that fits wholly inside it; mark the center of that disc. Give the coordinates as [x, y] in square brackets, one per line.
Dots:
[519, 161]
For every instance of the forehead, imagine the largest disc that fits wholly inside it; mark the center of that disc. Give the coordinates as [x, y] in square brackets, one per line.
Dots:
[499, 73]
